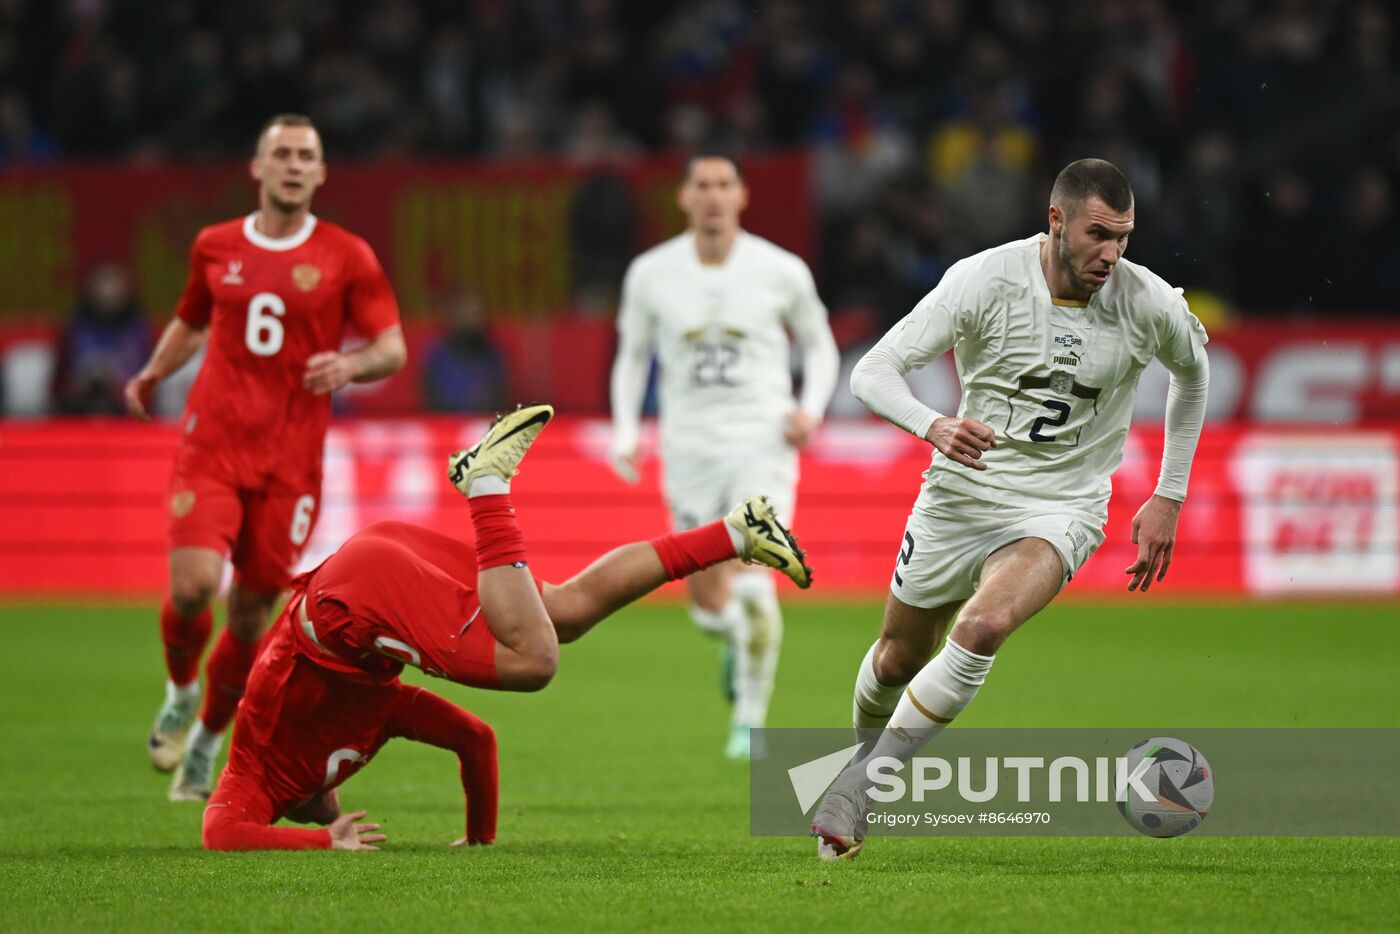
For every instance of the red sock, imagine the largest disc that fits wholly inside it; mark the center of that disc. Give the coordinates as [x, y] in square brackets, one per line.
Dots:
[684, 553]
[498, 538]
[227, 673]
[184, 641]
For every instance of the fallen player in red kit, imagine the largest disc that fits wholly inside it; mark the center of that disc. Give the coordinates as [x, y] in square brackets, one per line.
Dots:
[324, 695]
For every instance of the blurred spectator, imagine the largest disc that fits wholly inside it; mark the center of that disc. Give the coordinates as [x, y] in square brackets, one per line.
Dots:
[107, 341]
[462, 370]
[1203, 105]
[1363, 252]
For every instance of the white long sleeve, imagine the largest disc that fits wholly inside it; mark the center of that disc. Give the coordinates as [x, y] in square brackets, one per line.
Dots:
[1186, 414]
[629, 386]
[878, 382]
[821, 365]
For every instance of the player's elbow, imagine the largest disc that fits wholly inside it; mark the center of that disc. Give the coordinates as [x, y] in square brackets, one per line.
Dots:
[395, 354]
[218, 832]
[863, 378]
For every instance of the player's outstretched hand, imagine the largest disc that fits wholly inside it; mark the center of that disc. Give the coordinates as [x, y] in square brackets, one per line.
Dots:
[464, 842]
[799, 428]
[962, 440]
[327, 371]
[348, 835]
[139, 391]
[1154, 532]
[624, 464]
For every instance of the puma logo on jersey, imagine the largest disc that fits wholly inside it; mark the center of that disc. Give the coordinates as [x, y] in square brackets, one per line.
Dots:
[1069, 359]
[234, 275]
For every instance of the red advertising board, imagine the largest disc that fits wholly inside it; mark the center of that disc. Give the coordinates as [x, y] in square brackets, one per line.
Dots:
[1271, 512]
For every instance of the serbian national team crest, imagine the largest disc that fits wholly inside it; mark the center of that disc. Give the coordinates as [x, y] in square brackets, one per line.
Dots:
[1060, 381]
[306, 276]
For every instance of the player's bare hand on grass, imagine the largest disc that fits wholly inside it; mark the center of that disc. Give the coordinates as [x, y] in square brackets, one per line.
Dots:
[799, 428]
[962, 440]
[348, 835]
[1154, 532]
[139, 392]
[328, 370]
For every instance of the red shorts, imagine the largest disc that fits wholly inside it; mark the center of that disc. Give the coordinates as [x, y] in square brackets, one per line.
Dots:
[262, 531]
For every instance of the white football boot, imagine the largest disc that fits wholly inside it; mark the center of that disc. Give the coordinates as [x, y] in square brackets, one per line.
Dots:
[767, 541]
[194, 779]
[166, 744]
[501, 449]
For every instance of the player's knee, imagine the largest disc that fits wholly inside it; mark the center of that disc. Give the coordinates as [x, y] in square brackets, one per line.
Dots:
[191, 591]
[538, 670]
[897, 663]
[983, 631]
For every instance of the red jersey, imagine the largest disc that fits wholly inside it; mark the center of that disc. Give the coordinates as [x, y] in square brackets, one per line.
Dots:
[270, 305]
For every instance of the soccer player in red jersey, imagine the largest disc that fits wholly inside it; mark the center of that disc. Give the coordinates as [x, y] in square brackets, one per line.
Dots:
[325, 696]
[269, 296]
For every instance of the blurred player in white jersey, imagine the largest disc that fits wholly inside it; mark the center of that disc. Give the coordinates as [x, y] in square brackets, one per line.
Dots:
[1050, 335]
[716, 304]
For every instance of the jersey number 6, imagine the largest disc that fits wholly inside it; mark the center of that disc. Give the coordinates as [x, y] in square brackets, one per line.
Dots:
[264, 333]
[1045, 421]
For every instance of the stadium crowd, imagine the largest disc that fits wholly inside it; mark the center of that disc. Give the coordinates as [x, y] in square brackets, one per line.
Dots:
[1259, 134]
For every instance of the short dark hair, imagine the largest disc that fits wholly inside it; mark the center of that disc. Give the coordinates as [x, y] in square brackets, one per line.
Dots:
[1096, 177]
[712, 152]
[282, 120]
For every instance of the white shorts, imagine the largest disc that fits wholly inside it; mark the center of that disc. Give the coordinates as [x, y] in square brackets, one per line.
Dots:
[941, 556]
[701, 489]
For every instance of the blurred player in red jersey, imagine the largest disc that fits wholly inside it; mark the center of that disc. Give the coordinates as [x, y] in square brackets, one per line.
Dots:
[325, 695]
[269, 296]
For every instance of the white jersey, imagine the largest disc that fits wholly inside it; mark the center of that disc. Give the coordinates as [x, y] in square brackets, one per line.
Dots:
[1054, 379]
[719, 334]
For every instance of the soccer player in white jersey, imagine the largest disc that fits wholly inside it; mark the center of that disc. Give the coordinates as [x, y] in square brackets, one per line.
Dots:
[1049, 336]
[716, 304]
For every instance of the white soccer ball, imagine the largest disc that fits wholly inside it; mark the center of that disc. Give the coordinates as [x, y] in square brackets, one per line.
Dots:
[1179, 781]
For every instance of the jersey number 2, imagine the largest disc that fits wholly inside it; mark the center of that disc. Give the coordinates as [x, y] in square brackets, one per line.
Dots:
[264, 333]
[1045, 421]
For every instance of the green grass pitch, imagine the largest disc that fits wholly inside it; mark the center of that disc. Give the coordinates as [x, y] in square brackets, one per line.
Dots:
[618, 811]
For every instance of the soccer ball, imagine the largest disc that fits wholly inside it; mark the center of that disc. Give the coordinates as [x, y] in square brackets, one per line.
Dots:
[1177, 775]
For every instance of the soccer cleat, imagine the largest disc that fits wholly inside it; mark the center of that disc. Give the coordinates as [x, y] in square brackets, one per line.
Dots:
[767, 541]
[166, 743]
[840, 823]
[194, 779]
[500, 450]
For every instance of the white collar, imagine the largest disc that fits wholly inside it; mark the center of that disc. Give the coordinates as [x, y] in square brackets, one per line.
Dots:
[278, 244]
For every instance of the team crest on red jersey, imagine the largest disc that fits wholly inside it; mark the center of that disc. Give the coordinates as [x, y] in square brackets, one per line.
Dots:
[306, 276]
[181, 503]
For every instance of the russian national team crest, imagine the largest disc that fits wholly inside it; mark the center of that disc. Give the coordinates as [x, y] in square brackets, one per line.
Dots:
[306, 276]
[181, 503]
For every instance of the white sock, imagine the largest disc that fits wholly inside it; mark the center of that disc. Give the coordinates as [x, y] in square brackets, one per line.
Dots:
[874, 700]
[487, 485]
[202, 740]
[723, 623]
[184, 695]
[758, 645]
[938, 693]
[738, 538]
